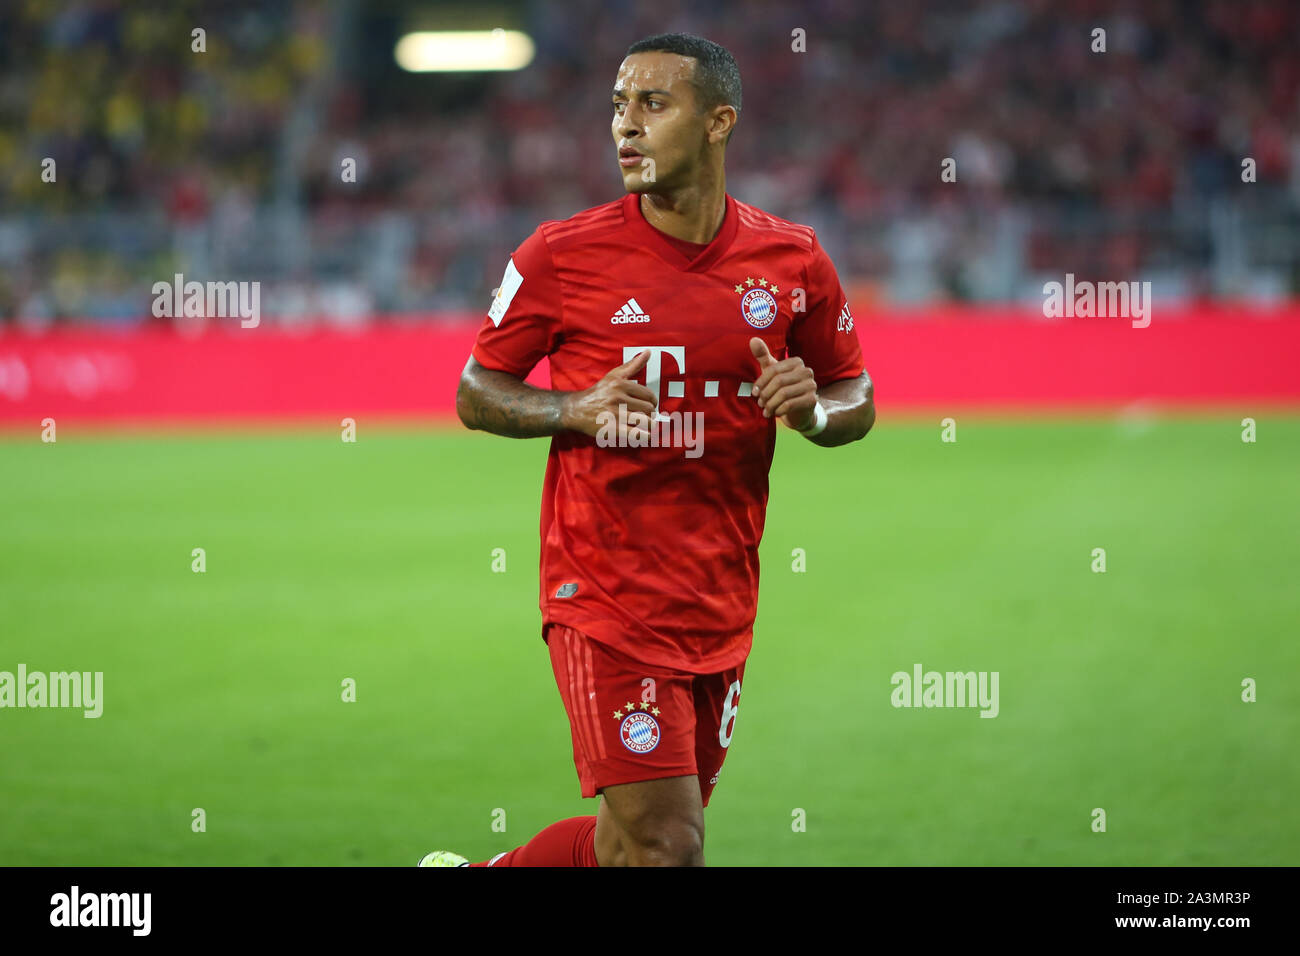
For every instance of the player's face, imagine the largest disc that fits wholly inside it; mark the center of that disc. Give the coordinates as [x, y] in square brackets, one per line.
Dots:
[657, 118]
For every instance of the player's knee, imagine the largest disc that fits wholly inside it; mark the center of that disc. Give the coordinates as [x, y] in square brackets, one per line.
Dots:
[676, 844]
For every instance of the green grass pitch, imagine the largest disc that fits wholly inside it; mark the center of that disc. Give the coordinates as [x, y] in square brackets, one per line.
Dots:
[372, 561]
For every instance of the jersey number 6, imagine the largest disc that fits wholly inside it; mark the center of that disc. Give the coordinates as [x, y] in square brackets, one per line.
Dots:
[729, 708]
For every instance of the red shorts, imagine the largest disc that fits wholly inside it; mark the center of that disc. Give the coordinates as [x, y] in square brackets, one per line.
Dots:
[634, 721]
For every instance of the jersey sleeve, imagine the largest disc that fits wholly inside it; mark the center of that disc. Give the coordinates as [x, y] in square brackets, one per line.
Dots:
[823, 335]
[523, 324]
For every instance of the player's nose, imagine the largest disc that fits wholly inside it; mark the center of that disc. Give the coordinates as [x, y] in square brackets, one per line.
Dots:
[628, 126]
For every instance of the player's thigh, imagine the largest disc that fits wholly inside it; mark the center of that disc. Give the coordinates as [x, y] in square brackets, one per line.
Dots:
[717, 707]
[657, 817]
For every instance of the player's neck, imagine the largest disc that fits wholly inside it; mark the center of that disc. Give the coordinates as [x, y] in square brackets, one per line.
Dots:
[693, 214]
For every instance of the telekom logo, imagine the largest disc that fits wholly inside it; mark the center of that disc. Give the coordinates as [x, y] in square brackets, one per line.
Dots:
[653, 370]
[676, 386]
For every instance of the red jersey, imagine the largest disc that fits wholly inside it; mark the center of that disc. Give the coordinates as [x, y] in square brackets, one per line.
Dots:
[654, 550]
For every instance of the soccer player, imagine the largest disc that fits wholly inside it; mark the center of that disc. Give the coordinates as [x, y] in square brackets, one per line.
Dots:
[681, 324]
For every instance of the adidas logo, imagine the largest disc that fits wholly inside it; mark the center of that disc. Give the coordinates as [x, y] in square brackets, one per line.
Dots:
[631, 312]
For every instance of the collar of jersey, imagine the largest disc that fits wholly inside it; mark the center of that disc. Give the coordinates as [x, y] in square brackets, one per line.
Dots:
[654, 239]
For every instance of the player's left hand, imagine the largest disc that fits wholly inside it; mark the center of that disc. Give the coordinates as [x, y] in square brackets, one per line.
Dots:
[784, 389]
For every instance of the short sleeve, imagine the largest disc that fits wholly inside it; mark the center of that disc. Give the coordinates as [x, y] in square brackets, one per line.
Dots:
[523, 324]
[823, 335]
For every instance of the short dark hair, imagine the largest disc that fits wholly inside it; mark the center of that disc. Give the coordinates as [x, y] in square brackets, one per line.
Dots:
[717, 78]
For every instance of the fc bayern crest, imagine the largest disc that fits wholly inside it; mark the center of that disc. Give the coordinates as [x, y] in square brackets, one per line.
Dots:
[759, 308]
[640, 733]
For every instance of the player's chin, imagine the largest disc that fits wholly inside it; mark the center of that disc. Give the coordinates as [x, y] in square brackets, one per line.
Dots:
[634, 183]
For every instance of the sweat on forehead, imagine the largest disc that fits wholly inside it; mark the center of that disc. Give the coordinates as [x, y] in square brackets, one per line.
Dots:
[638, 72]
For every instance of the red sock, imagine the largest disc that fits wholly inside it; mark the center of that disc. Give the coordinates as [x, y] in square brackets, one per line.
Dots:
[570, 842]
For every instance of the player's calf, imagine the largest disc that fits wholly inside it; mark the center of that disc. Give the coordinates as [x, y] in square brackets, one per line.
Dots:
[651, 823]
[675, 846]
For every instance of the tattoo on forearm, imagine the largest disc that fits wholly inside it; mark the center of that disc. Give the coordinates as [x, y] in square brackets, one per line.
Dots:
[498, 402]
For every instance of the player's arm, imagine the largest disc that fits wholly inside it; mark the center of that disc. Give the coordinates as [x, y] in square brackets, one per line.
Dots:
[850, 410]
[788, 390]
[499, 402]
[821, 337]
[522, 326]
[502, 404]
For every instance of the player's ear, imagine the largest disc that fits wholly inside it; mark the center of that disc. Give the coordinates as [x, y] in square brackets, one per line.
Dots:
[722, 120]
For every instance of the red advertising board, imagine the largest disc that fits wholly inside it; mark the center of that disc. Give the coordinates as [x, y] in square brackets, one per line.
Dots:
[938, 359]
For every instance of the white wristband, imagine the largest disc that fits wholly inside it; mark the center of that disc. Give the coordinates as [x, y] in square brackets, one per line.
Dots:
[819, 422]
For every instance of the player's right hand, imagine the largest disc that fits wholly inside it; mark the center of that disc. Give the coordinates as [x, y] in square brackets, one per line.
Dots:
[590, 409]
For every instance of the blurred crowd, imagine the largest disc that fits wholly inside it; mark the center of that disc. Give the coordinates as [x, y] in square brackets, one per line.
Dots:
[226, 163]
